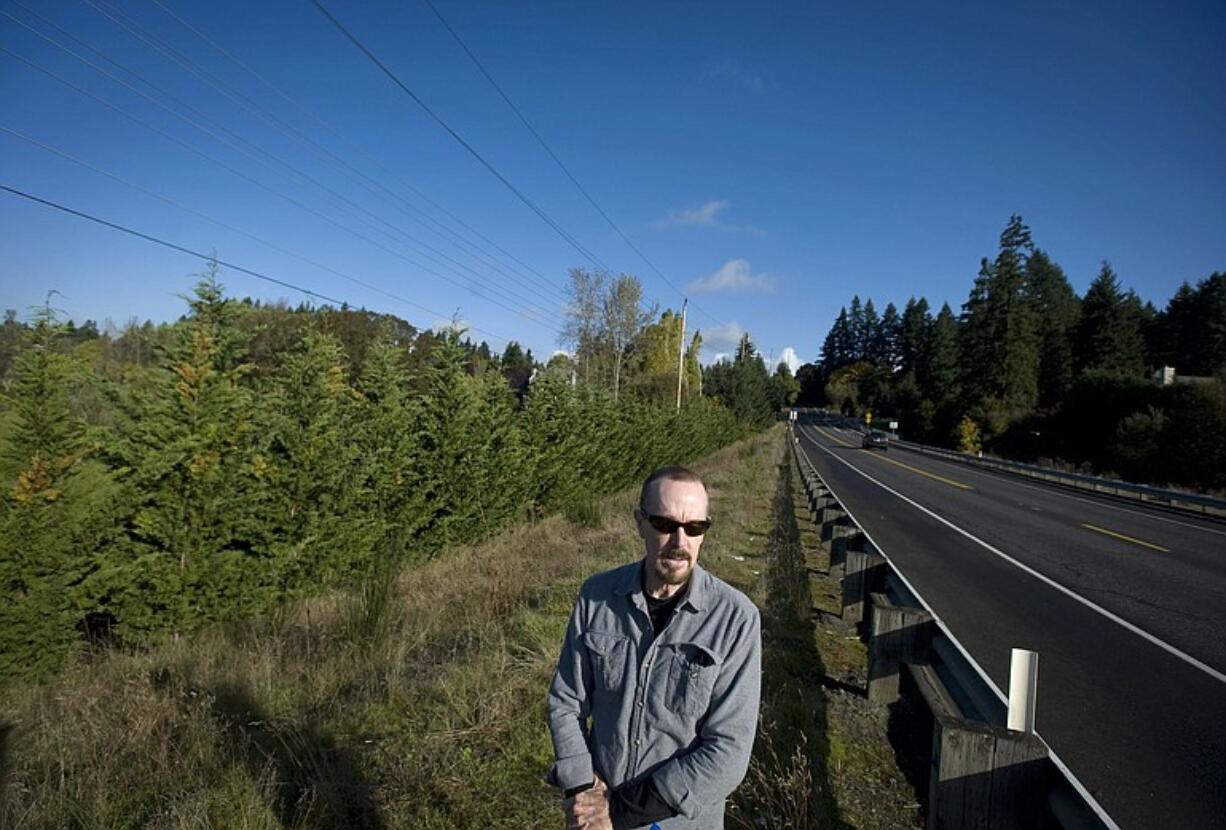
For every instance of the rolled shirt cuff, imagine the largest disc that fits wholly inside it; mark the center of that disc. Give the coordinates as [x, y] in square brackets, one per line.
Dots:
[568, 773]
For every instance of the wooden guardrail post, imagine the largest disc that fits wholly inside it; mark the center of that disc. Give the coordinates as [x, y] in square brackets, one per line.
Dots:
[980, 776]
[898, 635]
[842, 532]
[863, 573]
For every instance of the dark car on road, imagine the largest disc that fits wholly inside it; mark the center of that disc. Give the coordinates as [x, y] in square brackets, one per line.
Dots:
[875, 440]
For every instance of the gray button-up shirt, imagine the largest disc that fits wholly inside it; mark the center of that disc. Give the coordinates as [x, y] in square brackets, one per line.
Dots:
[681, 708]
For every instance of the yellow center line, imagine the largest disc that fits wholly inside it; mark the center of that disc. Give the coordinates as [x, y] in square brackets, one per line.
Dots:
[1103, 530]
[916, 470]
[831, 437]
[932, 476]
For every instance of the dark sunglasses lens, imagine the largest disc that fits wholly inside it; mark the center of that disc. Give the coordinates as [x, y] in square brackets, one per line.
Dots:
[697, 528]
[663, 524]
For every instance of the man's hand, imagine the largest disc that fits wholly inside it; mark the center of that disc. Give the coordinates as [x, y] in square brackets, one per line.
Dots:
[589, 810]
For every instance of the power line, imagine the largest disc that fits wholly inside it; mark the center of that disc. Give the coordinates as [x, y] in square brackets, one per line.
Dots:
[221, 224]
[206, 257]
[233, 170]
[417, 215]
[368, 157]
[488, 166]
[524, 120]
[258, 111]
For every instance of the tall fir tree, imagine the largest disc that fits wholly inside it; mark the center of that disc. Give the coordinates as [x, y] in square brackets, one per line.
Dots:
[1108, 337]
[1057, 310]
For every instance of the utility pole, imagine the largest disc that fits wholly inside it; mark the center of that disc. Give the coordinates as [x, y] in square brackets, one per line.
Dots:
[681, 353]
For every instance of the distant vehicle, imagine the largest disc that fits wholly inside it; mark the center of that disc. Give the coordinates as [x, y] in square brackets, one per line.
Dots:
[875, 440]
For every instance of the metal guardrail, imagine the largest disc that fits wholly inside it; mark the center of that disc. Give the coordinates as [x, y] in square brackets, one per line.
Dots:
[1192, 502]
[981, 774]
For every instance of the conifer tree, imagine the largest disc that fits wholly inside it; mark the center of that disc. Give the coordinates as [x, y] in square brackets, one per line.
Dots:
[389, 439]
[311, 466]
[857, 330]
[1000, 355]
[886, 341]
[1109, 336]
[187, 438]
[914, 335]
[59, 506]
[1057, 309]
[450, 457]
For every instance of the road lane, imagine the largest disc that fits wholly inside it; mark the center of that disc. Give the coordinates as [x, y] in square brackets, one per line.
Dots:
[1179, 595]
[1142, 728]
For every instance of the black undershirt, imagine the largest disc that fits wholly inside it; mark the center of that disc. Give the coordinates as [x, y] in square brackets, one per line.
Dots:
[661, 610]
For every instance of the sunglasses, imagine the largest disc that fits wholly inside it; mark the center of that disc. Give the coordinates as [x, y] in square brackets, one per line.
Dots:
[663, 524]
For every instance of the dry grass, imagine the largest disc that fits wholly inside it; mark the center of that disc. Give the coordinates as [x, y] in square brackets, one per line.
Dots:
[417, 701]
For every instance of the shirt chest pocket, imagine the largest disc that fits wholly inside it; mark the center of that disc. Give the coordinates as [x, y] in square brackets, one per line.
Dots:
[691, 677]
[608, 654]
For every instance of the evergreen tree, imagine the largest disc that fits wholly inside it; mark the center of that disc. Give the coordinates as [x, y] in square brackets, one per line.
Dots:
[942, 376]
[1109, 338]
[59, 505]
[784, 387]
[838, 347]
[1190, 333]
[857, 331]
[872, 341]
[310, 469]
[886, 343]
[914, 335]
[517, 366]
[1057, 309]
[187, 437]
[1001, 351]
[450, 456]
[389, 439]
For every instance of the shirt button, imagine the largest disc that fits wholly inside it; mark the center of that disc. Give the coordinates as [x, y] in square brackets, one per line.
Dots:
[636, 741]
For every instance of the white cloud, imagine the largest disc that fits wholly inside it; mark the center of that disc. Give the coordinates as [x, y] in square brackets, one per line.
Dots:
[733, 275]
[706, 215]
[788, 356]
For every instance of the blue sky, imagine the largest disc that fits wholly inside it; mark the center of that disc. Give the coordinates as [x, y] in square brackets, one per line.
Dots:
[770, 159]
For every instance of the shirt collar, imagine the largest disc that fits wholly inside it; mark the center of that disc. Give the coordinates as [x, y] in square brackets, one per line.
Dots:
[695, 593]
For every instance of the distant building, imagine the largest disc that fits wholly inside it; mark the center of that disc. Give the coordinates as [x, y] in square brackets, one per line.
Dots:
[1167, 375]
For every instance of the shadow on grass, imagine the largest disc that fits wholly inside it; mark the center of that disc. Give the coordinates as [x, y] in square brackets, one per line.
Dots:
[6, 729]
[315, 783]
[788, 784]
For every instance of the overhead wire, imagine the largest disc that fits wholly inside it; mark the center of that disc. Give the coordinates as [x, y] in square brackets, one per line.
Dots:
[574, 243]
[203, 256]
[254, 108]
[213, 220]
[235, 171]
[540, 139]
[354, 148]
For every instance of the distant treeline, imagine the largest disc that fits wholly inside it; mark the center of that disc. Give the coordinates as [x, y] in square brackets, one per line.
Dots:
[1030, 370]
[168, 476]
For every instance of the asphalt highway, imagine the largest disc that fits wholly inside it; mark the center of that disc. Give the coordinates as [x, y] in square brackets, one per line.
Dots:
[1126, 605]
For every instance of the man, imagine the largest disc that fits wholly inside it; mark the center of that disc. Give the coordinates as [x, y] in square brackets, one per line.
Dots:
[665, 660]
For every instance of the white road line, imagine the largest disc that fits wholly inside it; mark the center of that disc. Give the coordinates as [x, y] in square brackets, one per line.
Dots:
[1081, 789]
[1135, 629]
[1057, 491]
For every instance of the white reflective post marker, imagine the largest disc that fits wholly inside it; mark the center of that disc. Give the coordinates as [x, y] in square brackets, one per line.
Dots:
[1023, 689]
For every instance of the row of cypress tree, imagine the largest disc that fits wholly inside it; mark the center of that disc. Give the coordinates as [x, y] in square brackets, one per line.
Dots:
[197, 484]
